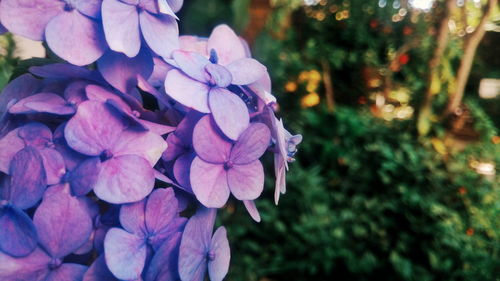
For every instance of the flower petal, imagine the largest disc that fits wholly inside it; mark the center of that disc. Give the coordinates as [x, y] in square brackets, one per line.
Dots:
[246, 71]
[18, 236]
[252, 144]
[62, 222]
[208, 143]
[163, 266]
[54, 165]
[93, 129]
[209, 183]
[91, 8]
[148, 145]
[10, 144]
[195, 244]
[246, 181]
[219, 75]
[182, 168]
[125, 254]
[187, 91]
[36, 134]
[121, 72]
[99, 271]
[121, 27]
[43, 103]
[161, 208]
[218, 268]
[133, 218]
[229, 111]
[160, 32]
[176, 5]
[83, 178]
[32, 267]
[19, 88]
[124, 179]
[252, 210]
[227, 45]
[67, 272]
[29, 18]
[28, 179]
[192, 64]
[64, 71]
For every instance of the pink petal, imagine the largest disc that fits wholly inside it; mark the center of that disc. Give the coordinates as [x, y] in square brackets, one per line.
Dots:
[133, 217]
[10, 144]
[252, 144]
[187, 91]
[124, 179]
[165, 8]
[98, 93]
[176, 5]
[208, 143]
[229, 111]
[161, 208]
[252, 210]
[19, 88]
[93, 129]
[194, 44]
[54, 165]
[218, 268]
[160, 32]
[246, 71]
[280, 174]
[32, 267]
[182, 167]
[75, 38]
[43, 103]
[67, 272]
[227, 44]
[125, 254]
[193, 64]
[246, 181]
[75, 92]
[209, 183]
[91, 8]
[148, 145]
[29, 18]
[121, 27]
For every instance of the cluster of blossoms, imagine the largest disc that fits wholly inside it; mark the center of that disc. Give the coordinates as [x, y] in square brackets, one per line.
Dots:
[113, 163]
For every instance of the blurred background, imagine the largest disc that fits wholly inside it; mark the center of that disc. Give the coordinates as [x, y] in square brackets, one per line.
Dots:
[399, 105]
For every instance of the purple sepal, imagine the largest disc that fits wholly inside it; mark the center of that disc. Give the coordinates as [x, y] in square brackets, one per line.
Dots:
[99, 271]
[18, 236]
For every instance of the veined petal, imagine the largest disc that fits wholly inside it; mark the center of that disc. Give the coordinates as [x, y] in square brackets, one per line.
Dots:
[246, 181]
[10, 144]
[124, 179]
[18, 236]
[219, 247]
[75, 38]
[29, 18]
[209, 183]
[133, 218]
[219, 75]
[252, 210]
[121, 27]
[246, 71]
[161, 208]
[193, 64]
[252, 144]
[208, 143]
[125, 254]
[148, 145]
[186, 91]
[36, 134]
[227, 44]
[160, 32]
[229, 111]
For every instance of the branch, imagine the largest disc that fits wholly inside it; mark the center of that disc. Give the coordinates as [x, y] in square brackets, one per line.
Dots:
[471, 42]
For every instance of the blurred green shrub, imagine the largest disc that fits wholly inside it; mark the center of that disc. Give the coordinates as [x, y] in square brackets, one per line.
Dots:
[366, 200]
[7, 59]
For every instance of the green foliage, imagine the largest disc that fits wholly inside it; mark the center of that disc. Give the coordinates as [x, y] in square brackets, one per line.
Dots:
[7, 58]
[366, 199]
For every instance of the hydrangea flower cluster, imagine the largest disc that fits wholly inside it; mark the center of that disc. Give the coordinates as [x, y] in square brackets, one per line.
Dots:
[113, 164]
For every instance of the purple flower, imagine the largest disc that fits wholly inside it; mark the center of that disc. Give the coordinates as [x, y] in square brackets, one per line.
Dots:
[147, 225]
[127, 156]
[126, 21]
[221, 167]
[200, 250]
[63, 225]
[70, 27]
[202, 83]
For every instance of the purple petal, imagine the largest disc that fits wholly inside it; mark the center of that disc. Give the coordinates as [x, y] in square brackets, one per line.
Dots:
[98, 93]
[83, 178]
[93, 129]
[252, 144]
[161, 208]
[208, 143]
[229, 111]
[246, 71]
[33, 267]
[125, 254]
[163, 266]
[156, 128]
[182, 167]
[61, 71]
[99, 271]
[148, 87]
[91, 8]
[54, 165]
[19, 88]
[161, 68]
[165, 8]
[2, 29]
[36, 134]
[194, 44]
[219, 75]
[28, 179]
[124, 179]
[160, 32]
[71, 157]
[195, 245]
[75, 38]
[133, 218]
[42, 103]
[67, 272]
[280, 174]
[75, 92]
[148, 145]
[227, 44]
[187, 91]
[246, 181]
[219, 265]
[121, 72]
[121, 26]
[176, 225]
[185, 128]
[209, 183]
[10, 144]
[29, 18]
[18, 236]
[192, 64]
[176, 5]
[252, 210]
[62, 222]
